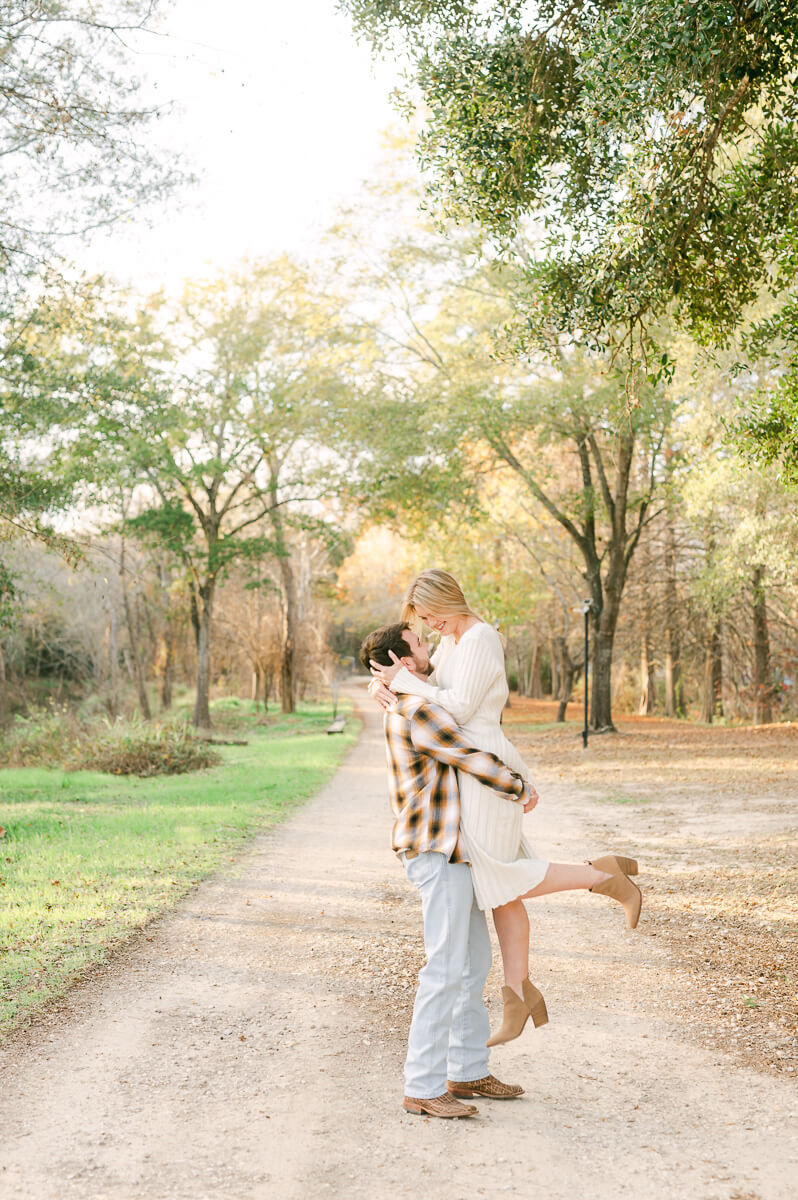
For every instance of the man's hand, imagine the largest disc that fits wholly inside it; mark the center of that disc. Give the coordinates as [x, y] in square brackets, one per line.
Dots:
[383, 695]
[529, 790]
[386, 674]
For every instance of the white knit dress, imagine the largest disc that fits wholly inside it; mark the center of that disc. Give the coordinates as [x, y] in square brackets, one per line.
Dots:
[471, 684]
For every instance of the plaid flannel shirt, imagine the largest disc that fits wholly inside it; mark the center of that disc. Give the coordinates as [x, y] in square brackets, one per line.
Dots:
[425, 748]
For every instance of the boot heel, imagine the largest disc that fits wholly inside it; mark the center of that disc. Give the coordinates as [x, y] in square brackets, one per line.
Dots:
[535, 1003]
[539, 1014]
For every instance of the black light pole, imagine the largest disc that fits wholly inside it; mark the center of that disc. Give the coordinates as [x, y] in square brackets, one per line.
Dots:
[586, 607]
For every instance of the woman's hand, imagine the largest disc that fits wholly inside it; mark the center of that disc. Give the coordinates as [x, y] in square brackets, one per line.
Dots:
[533, 798]
[386, 674]
[383, 695]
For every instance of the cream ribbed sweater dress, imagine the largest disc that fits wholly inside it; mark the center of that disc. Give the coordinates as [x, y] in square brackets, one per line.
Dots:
[470, 682]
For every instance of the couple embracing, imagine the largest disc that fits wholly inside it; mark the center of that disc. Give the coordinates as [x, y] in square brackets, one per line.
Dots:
[458, 790]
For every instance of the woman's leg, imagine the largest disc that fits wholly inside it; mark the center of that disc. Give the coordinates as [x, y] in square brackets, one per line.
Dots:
[565, 877]
[512, 922]
[512, 930]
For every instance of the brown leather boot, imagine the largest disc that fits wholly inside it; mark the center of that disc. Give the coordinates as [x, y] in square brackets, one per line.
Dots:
[489, 1088]
[619, 887]
[445, 1106]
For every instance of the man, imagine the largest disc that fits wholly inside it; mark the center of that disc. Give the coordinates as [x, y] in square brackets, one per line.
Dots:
[450, 1025]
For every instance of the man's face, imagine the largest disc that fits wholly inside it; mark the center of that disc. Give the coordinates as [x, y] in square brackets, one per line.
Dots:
[419, 649]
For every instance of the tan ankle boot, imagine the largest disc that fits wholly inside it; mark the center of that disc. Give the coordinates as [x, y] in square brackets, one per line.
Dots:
[517, 1012]
[516, 1015]
[608, 861]
[619, 887]
[535, 1003]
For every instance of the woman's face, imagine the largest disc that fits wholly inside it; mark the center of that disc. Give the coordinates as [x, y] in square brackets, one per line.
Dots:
[442, 623]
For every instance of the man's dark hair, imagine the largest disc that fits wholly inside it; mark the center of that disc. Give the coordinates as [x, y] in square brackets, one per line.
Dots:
[378, 643]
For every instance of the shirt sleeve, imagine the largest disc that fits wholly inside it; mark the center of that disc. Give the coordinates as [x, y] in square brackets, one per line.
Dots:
[474, 674]
[434, 732]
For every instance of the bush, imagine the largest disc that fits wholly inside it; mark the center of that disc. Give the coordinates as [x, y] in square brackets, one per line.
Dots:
[45, 737]
[147, 750]
[55, 737]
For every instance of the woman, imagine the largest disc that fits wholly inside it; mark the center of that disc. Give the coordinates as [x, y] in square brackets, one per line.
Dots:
[471, 683]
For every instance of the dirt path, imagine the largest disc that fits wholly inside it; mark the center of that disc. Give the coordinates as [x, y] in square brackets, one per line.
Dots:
[250, 1045]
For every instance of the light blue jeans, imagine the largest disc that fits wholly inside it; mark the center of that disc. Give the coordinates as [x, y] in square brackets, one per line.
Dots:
[450, 1023]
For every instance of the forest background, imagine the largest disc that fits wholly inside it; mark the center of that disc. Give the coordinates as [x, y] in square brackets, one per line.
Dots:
[559, 363]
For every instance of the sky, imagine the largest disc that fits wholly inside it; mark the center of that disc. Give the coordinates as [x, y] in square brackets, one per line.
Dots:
[281, 114]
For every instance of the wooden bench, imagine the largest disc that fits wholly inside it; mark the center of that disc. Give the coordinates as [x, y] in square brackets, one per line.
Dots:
[337, 725]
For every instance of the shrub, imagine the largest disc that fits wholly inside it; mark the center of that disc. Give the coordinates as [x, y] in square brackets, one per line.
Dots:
[149, 750]
[44, 737]
[55, 737]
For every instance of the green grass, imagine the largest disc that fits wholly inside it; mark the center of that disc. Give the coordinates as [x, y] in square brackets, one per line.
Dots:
[87, 858]
[623, 798]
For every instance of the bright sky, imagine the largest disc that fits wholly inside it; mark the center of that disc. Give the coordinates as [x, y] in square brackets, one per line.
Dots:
[282, 116]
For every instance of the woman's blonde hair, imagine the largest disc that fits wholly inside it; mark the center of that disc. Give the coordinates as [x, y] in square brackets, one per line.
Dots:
[438, 593]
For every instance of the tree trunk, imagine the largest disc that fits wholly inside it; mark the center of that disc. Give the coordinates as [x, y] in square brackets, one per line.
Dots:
[137, 668]
[712, 701]
[255, 688]
[168, 660]
[674, 706]
[555, 670]
[648, 686]
[167, 651]
[604, 620]
[763, 706]
[647, 681]
[567, 676]
[535, 691]
[4, 705]
[290, 609]
[673, 698]
[601, 691]
[113, 666]
[288, 637]
[520, 670]
[203, 607]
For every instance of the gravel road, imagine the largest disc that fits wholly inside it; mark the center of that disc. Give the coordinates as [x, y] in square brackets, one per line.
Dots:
[250, 1045]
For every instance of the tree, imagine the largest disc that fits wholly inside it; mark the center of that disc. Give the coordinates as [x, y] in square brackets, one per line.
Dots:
[71, 126]
[604, 513]
[746, 540]
[75, 158]
[655, 144]
[446, 412]
[218, 416]
[71, 140]
[766, 432]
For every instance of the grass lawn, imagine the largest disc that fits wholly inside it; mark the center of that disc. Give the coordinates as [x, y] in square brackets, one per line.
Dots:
[88, 858]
